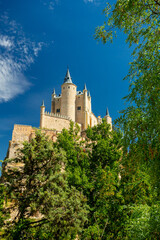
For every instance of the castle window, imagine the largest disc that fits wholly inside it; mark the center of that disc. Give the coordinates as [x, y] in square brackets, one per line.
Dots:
[58, 110]
[79, 108]
[63, 87]
[68, 86]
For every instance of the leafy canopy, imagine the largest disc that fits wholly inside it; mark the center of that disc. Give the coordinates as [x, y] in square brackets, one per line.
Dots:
[40, 189]
[140, 21]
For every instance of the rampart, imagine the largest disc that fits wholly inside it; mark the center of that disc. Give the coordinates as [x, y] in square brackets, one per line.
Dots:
[23, 133]
[53, 125]
[54, 121]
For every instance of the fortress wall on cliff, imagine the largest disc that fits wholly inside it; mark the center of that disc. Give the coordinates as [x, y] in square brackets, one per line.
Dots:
[54, 122]
[23, 133]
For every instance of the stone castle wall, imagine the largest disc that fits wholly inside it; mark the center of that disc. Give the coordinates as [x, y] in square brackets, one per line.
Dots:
[54, 122]
[79, 112]
[52, 126]
[56, 104]
[20, 134]
[93, 120]
[23, 133]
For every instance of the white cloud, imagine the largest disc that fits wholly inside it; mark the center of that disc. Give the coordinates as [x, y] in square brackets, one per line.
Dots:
[17, 53]
[12, 80]
[6, 42]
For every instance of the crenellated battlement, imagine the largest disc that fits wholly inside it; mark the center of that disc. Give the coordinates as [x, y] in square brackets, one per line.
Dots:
[56, 115]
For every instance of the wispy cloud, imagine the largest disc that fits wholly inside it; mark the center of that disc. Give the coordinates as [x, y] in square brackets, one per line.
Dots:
[50, 4]
[6, 42]
[88, 1]
[12, 79]
[17, 53]
[95, 2]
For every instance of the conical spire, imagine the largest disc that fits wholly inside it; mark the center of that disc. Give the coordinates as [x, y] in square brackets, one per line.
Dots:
[89, 94]
[68, 78]
[42, 103]
[85, 88]
[54, 92]
[107, 112]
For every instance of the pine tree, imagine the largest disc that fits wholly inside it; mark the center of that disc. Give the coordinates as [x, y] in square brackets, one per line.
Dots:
[40, 188]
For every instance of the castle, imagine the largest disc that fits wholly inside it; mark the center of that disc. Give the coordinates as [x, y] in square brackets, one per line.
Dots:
[70, 105]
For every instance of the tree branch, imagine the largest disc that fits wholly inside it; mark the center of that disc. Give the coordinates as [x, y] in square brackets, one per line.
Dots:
[156, 1]
[153, 11]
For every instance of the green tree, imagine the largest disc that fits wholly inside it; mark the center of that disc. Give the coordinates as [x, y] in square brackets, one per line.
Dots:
[1, 206]
[140, 21]
[2, 209]
[93, 166]
[107, 213]
[144, 222]
[40, 189]
[78, 164]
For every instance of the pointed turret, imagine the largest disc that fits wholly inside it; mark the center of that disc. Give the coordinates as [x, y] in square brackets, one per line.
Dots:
[68, 97]
[107, 112]
[85, 88]
[108, 118]
[68, 78]
[54, 91]
[42, 104]
[89, 94]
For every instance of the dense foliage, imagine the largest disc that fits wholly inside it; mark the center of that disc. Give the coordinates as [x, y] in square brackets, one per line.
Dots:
[46, 207]
[140, 21]
[94, 167]
[76, 186]
[58, 190]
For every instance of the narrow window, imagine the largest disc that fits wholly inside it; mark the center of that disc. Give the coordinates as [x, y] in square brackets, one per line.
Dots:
[58, 110]
[68, 86]
[63, 87]
[79, 108]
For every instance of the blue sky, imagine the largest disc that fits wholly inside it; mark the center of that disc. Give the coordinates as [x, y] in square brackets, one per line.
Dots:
[38, 39]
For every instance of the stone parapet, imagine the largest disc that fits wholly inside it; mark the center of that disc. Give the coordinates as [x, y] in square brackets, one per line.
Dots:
[56, 115]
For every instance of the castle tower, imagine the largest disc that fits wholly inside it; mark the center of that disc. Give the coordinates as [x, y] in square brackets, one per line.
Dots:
[89, 102]
[53, 107]
[68, 98]
[85, 107]
[108, 118]
[42, 115]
